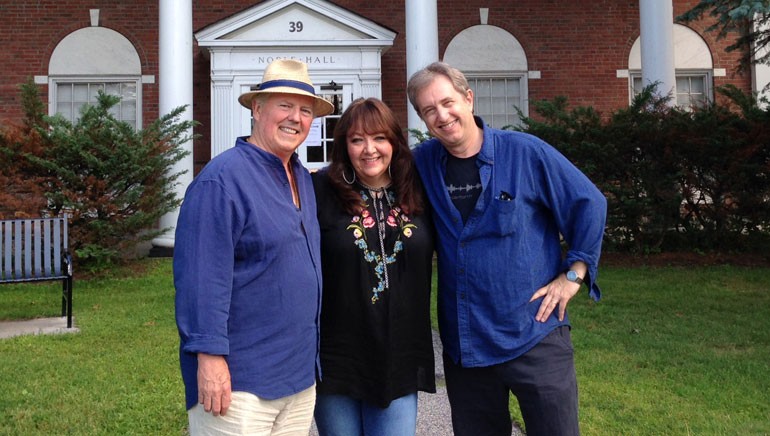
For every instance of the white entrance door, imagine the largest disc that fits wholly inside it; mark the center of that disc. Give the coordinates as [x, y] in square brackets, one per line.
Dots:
[316, 151]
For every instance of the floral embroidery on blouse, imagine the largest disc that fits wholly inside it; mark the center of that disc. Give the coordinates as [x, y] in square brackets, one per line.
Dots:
[395, 218]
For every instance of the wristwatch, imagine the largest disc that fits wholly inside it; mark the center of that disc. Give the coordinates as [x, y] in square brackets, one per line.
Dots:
[573, 277]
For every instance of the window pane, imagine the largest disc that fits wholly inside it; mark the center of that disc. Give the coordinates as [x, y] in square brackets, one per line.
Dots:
[482, 88]
[499, 121]
[498, 87]
[329, 147]
[683, 85]
[80, 92]
[513, 88]
[77, 108]
[112, 89]
[93, 91]
[315, 153]
[699, 100]
[128, 110]
[331, 123]
[115, 111]
[64, 92]
[65, 109]
[691, 91]
[499, 105]
[483, 106]
[129, 91]
[697, 85]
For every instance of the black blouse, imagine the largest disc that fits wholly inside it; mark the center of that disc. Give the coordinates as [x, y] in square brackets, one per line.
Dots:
[376, 341]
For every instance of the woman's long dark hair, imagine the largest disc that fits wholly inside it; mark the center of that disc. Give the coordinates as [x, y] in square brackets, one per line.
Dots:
[372, 116]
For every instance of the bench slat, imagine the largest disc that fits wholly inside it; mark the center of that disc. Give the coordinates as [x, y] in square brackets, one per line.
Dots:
[27, 243]
[56, 247]
[17, 249]
[5, 267]
[37, 254]
[46, 247]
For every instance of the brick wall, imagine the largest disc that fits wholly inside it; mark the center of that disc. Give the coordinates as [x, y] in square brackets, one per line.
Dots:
[576, 45]
[31, 31]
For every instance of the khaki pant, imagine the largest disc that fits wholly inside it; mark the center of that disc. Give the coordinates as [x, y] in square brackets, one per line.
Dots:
[251, 415]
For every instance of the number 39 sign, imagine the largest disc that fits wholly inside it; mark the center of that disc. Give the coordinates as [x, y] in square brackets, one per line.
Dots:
[295, 26]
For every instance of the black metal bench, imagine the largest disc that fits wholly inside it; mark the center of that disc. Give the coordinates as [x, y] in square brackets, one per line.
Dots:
[34, 250]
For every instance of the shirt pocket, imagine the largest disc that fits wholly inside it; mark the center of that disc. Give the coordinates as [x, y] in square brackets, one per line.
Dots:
[502, 217]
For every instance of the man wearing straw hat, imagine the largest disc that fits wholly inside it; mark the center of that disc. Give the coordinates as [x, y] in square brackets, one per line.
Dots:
[247, 271]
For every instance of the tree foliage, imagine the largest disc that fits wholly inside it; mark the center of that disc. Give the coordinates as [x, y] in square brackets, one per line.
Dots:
[22, 193]
[749, 20]
[114, 181]
[675, 180]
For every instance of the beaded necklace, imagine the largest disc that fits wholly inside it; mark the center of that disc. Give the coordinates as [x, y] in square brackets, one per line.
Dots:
[377, 194]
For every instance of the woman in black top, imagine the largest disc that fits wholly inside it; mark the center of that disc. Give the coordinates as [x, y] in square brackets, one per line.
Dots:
[376, 251]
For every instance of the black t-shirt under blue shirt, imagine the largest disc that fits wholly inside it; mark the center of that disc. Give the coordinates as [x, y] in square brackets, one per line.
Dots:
[463, 183]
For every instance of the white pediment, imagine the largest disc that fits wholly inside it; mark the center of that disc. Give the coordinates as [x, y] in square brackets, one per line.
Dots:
[293, 22]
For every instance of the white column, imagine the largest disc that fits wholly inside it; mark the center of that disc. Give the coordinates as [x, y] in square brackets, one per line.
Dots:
[370, 86]
[371, 73]
[760, 73]
[222, 98]
[656, 22]
[421, 45]
[175, 89]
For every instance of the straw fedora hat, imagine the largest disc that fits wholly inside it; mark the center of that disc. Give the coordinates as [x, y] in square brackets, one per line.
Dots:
[288, 76]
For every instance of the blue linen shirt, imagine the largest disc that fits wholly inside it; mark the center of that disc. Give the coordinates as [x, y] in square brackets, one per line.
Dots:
[247, 273]
[510, 246]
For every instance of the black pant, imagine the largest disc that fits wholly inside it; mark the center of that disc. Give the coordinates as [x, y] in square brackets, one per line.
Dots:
[543, 380]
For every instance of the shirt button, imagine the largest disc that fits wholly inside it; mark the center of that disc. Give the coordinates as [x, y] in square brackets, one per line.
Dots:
[461, 271]
[462, 296]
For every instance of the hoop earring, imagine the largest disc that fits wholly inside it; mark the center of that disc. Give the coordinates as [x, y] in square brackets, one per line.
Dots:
[389, 174]
[345, 178]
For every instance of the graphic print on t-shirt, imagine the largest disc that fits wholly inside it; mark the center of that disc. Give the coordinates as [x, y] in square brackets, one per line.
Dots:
[463, 183]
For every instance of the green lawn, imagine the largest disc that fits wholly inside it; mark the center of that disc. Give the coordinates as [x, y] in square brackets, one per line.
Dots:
[118, 376]
[668, 351]
[682, 351]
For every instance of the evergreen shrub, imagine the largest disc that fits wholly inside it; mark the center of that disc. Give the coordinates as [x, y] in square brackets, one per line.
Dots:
[675, 180]
[115, 182]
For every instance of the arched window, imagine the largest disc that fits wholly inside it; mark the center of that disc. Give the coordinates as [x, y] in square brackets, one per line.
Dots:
[693, 64]
[495, 64]
[90, 60]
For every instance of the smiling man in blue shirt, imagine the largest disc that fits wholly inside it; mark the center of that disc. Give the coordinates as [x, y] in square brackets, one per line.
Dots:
[502, 202]
[247, 271]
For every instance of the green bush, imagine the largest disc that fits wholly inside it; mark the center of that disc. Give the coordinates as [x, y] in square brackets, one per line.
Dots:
[674, 179]
[114, 181]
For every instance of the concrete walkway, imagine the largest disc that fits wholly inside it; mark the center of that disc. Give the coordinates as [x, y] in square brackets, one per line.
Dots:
[37, 326]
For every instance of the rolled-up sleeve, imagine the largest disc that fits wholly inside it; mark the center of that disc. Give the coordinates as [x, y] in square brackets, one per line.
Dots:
[580, 211]
[203, 268]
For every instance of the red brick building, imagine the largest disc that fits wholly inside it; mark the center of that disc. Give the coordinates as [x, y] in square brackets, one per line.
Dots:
[514, 52]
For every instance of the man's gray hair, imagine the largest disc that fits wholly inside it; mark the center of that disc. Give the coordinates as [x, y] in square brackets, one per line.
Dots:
[425, 77]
